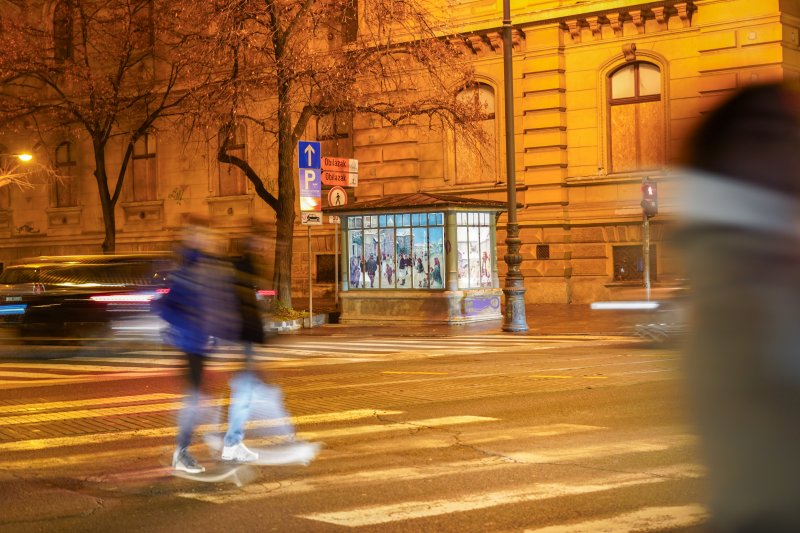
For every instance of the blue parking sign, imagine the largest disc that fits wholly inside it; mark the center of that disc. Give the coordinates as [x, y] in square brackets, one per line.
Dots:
[310, 182]
[309, 154]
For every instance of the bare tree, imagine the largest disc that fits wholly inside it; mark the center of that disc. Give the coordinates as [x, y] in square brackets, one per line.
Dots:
[110, 69]
[280, 63]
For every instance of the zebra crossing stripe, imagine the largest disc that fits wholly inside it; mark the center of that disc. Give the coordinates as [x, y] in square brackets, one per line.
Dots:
[67, 404]
[406, 474]
[646, 519]
[60, 461]
[395, 512]
[97, 438]
[50, 366]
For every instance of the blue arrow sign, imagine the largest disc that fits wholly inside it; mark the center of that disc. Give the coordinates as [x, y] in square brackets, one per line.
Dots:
[308, 154]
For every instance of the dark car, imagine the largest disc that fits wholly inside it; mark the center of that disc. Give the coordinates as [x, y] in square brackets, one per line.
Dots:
[81, 295]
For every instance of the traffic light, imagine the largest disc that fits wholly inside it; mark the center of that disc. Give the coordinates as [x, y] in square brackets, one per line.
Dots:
[649, 198]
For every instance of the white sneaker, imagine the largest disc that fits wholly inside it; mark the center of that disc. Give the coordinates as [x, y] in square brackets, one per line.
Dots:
[183, 461]
[238, 453]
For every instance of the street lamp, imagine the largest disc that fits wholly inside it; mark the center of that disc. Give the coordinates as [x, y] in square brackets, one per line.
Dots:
[24, 157]
[514, 290]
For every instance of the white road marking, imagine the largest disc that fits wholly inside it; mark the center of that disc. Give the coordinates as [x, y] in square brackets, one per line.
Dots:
[395, 512]
[67, 404]
[550, 430]
[429, 471]
[647, 519]
[78, 440]
[606, 449]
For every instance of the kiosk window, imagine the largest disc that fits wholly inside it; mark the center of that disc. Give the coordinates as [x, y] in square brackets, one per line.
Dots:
[396, 251]
[475, 260]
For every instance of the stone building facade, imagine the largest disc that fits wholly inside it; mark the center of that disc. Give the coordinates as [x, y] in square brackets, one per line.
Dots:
[606, 92]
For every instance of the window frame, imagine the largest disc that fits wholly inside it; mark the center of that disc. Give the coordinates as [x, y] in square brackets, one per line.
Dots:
[611, 102]
[236, 148]
[490, 120]
[639, 257]
[63, 31]
[139, 157]
[476, 220]
[68, 174]
[367, 222]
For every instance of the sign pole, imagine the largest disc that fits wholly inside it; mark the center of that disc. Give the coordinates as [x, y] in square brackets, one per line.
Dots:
[336, 264]
[646, 255]
[310, 291]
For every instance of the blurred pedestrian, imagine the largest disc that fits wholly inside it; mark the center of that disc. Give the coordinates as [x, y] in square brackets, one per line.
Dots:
[200, 305]
[739, 211]
[245, 382]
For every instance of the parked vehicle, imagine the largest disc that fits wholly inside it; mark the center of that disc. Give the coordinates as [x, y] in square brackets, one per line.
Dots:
[80, 295]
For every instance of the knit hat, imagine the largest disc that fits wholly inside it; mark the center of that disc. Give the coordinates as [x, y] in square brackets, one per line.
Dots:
[754, 137]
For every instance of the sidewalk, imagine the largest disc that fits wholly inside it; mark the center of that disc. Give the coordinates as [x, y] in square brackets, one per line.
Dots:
[542, 319]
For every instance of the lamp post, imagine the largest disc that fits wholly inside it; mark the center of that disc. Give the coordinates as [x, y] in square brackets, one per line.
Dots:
[514, 289]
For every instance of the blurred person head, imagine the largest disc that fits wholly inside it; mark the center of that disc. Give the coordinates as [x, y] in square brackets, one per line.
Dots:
[742, 157]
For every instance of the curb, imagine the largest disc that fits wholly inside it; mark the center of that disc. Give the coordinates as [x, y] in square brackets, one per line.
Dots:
[285, 326]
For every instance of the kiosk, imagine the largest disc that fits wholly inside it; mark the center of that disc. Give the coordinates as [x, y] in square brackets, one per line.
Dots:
[419, 259]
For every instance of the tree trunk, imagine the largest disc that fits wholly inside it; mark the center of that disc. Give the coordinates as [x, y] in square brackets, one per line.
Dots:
[109, 220]
[285, 214]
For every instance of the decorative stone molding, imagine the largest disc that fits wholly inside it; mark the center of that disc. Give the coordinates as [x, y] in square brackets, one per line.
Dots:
[143, 215]
[64, 216]
[63, 220]
[638, 17]
[594, 26]
[615, 20]
[629, 51]
[482, 43]
[477, 43]
[460, 45]
[517, 36]
[231, 211]
[684, 11]
[495, 40]
[574, 29]
[661, 16]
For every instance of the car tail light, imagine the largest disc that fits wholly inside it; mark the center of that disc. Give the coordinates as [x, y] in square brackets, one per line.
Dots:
[123, 298]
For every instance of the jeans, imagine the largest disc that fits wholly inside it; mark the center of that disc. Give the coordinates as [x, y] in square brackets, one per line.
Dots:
[189, 414]
[251, 398]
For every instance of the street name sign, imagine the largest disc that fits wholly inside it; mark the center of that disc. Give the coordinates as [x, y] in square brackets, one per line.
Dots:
[342, 179]
[340, 164]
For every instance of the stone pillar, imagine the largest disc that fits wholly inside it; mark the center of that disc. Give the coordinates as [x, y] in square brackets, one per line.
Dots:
[344, 261]
[451, 251]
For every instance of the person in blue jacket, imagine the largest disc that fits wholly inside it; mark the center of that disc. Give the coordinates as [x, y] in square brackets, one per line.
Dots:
[201, 304]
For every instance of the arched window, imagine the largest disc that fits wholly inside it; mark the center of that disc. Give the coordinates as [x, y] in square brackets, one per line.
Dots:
[62, 30]
[636, 118]
[143, 176]
[64, 188]
[231, 178]
[478, 164]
